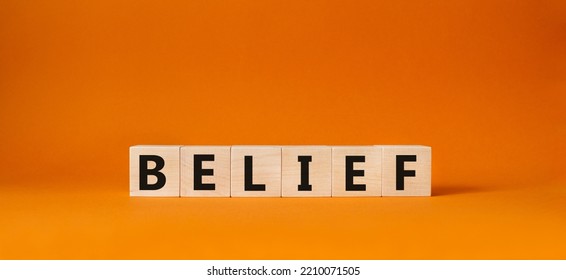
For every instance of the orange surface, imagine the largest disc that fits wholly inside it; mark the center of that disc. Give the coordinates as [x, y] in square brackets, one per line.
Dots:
[482, 82]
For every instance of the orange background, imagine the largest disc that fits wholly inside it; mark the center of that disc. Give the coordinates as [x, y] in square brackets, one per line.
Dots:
[482, 82]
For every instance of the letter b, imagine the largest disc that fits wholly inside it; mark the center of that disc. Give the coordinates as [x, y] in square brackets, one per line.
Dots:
[154, 170]
[145, 172]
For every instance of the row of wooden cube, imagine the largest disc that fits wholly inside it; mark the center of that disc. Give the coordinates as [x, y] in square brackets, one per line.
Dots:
[280, 171]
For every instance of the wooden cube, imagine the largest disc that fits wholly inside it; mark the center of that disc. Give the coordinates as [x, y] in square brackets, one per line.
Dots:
[154, 170]
[356, 171]
[406, 171]
[256, 171]
[306, 171]
[205, 171]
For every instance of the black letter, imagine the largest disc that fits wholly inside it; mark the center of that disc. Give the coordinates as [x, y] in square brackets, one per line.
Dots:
[401, 172]
[199, 172]
[248, 175]
[350, 173]
[304, 186]
[144, 172]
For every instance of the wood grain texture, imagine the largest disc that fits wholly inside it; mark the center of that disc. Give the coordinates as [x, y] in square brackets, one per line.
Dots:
[266, 170]
[171, 157]
[320, 171]
[420, 184]
[220, 167]
[371, 167]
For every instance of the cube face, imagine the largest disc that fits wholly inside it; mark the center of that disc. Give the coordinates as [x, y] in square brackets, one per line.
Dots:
[255, 171]
[356, 171]
[406, 171]
[316, 161]
[154, 170]
[205, 171]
